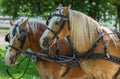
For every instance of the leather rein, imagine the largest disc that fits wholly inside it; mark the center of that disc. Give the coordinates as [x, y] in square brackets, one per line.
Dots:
[76, 57]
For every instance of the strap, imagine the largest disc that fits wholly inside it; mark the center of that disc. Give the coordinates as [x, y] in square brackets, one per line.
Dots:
[26, 67]
[57, 49]
[117, 74]
[101, 56]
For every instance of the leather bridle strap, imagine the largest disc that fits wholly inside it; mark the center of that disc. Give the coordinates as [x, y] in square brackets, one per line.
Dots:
[13, 47]
[65, 19]
[117, 74]
[55, 33]
[61, 27]
[19, 50]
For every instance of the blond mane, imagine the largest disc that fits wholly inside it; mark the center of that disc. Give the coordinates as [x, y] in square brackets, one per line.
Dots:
[84, 30]
[35, 25]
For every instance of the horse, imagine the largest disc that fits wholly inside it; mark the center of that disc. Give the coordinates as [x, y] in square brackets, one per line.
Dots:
[98, 48]
[24, 34]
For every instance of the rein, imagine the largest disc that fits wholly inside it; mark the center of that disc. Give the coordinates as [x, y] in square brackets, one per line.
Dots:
[44, 55]
[26, 67]
[76, 57]
[19, 51]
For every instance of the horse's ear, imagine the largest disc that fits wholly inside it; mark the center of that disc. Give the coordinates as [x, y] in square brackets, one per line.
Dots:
[69, 6]
[11, 22]
[66, 10]
[23, 25]
[60, 5]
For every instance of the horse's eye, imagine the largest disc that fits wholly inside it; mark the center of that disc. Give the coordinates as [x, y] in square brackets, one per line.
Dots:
[7, 38]
[19, 39]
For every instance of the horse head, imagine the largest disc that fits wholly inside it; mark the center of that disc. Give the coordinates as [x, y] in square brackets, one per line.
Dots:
[58, 27]
[18, 39]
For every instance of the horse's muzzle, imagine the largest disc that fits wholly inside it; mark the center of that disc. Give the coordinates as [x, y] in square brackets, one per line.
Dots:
[46, 43]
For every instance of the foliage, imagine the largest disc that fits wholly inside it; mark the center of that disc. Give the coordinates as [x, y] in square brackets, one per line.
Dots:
[97, 9]
[26, 7]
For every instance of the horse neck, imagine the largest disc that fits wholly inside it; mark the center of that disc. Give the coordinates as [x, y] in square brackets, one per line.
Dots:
[64, 48]
[35, 36]
[84, 31]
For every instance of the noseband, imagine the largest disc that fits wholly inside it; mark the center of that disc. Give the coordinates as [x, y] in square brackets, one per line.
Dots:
[64, 20]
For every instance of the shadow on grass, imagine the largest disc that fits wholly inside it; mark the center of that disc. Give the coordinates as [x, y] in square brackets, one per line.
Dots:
[18, 70]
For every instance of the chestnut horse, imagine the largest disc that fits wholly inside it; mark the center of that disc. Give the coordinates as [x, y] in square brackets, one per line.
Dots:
[30, 31]
[98, 47]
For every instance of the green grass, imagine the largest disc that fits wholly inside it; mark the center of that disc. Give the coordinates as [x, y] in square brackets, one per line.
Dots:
[16, 71]
[3, 30]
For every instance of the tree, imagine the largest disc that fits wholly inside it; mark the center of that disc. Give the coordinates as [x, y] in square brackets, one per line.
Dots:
[116, 3]
[17, 8]
[97, 9]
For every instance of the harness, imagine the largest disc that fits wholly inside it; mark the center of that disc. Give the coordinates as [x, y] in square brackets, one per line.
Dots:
[89, 54]
[76, 57]
[21, 39]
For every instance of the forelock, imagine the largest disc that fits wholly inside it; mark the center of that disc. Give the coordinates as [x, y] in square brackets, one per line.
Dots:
[19, 21]
[15, 29]
[59, 10]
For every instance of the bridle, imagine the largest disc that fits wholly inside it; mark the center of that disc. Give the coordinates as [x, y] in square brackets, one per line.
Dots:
[22, 39]
[64, 19]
